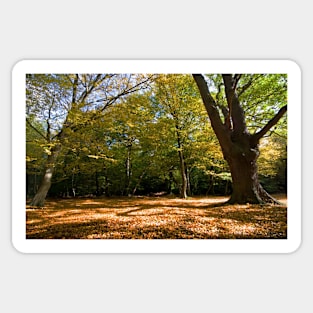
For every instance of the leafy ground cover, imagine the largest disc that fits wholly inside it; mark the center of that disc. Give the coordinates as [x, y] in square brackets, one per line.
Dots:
[155, 218]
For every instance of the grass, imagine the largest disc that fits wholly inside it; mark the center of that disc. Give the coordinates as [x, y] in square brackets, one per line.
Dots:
[155, 218]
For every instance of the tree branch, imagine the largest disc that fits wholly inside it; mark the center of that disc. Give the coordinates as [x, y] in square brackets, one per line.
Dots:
[123, 93]
[75, 84]
[35, 129]
[235, 110]
[107, 102]
[257, 136]
[243, 88]
[210, 105]
[236, 80]
[88, 89]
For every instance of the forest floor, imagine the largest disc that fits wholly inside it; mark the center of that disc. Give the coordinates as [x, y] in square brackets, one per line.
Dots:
[155, 218]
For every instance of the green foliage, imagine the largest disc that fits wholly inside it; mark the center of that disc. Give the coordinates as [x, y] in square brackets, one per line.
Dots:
[260, 95]
[266, 94]
[35, 150]
[273, 163]
[130, 144]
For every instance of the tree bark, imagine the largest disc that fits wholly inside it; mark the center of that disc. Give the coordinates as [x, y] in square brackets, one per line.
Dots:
[244, 171]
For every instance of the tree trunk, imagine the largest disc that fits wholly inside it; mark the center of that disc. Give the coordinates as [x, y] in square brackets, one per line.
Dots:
[40, 196]
[183, 192]
[245, 182]
[188, 180]
[128, 168]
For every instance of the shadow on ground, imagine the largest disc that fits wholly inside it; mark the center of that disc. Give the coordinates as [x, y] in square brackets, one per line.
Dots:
[155, 218]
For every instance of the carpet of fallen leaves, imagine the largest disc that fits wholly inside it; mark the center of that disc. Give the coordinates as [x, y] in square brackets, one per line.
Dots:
[156, 218]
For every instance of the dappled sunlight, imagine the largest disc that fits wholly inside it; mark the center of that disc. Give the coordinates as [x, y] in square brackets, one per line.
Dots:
[155, 218]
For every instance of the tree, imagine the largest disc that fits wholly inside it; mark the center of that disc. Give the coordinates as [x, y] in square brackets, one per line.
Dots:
[178, 99]
[240, 147]
[67, 103]
[131, 143]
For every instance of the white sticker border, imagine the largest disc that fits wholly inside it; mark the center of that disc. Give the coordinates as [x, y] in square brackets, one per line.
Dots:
[291, 244]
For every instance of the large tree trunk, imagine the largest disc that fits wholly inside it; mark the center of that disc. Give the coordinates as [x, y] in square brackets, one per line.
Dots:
[245, 182]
